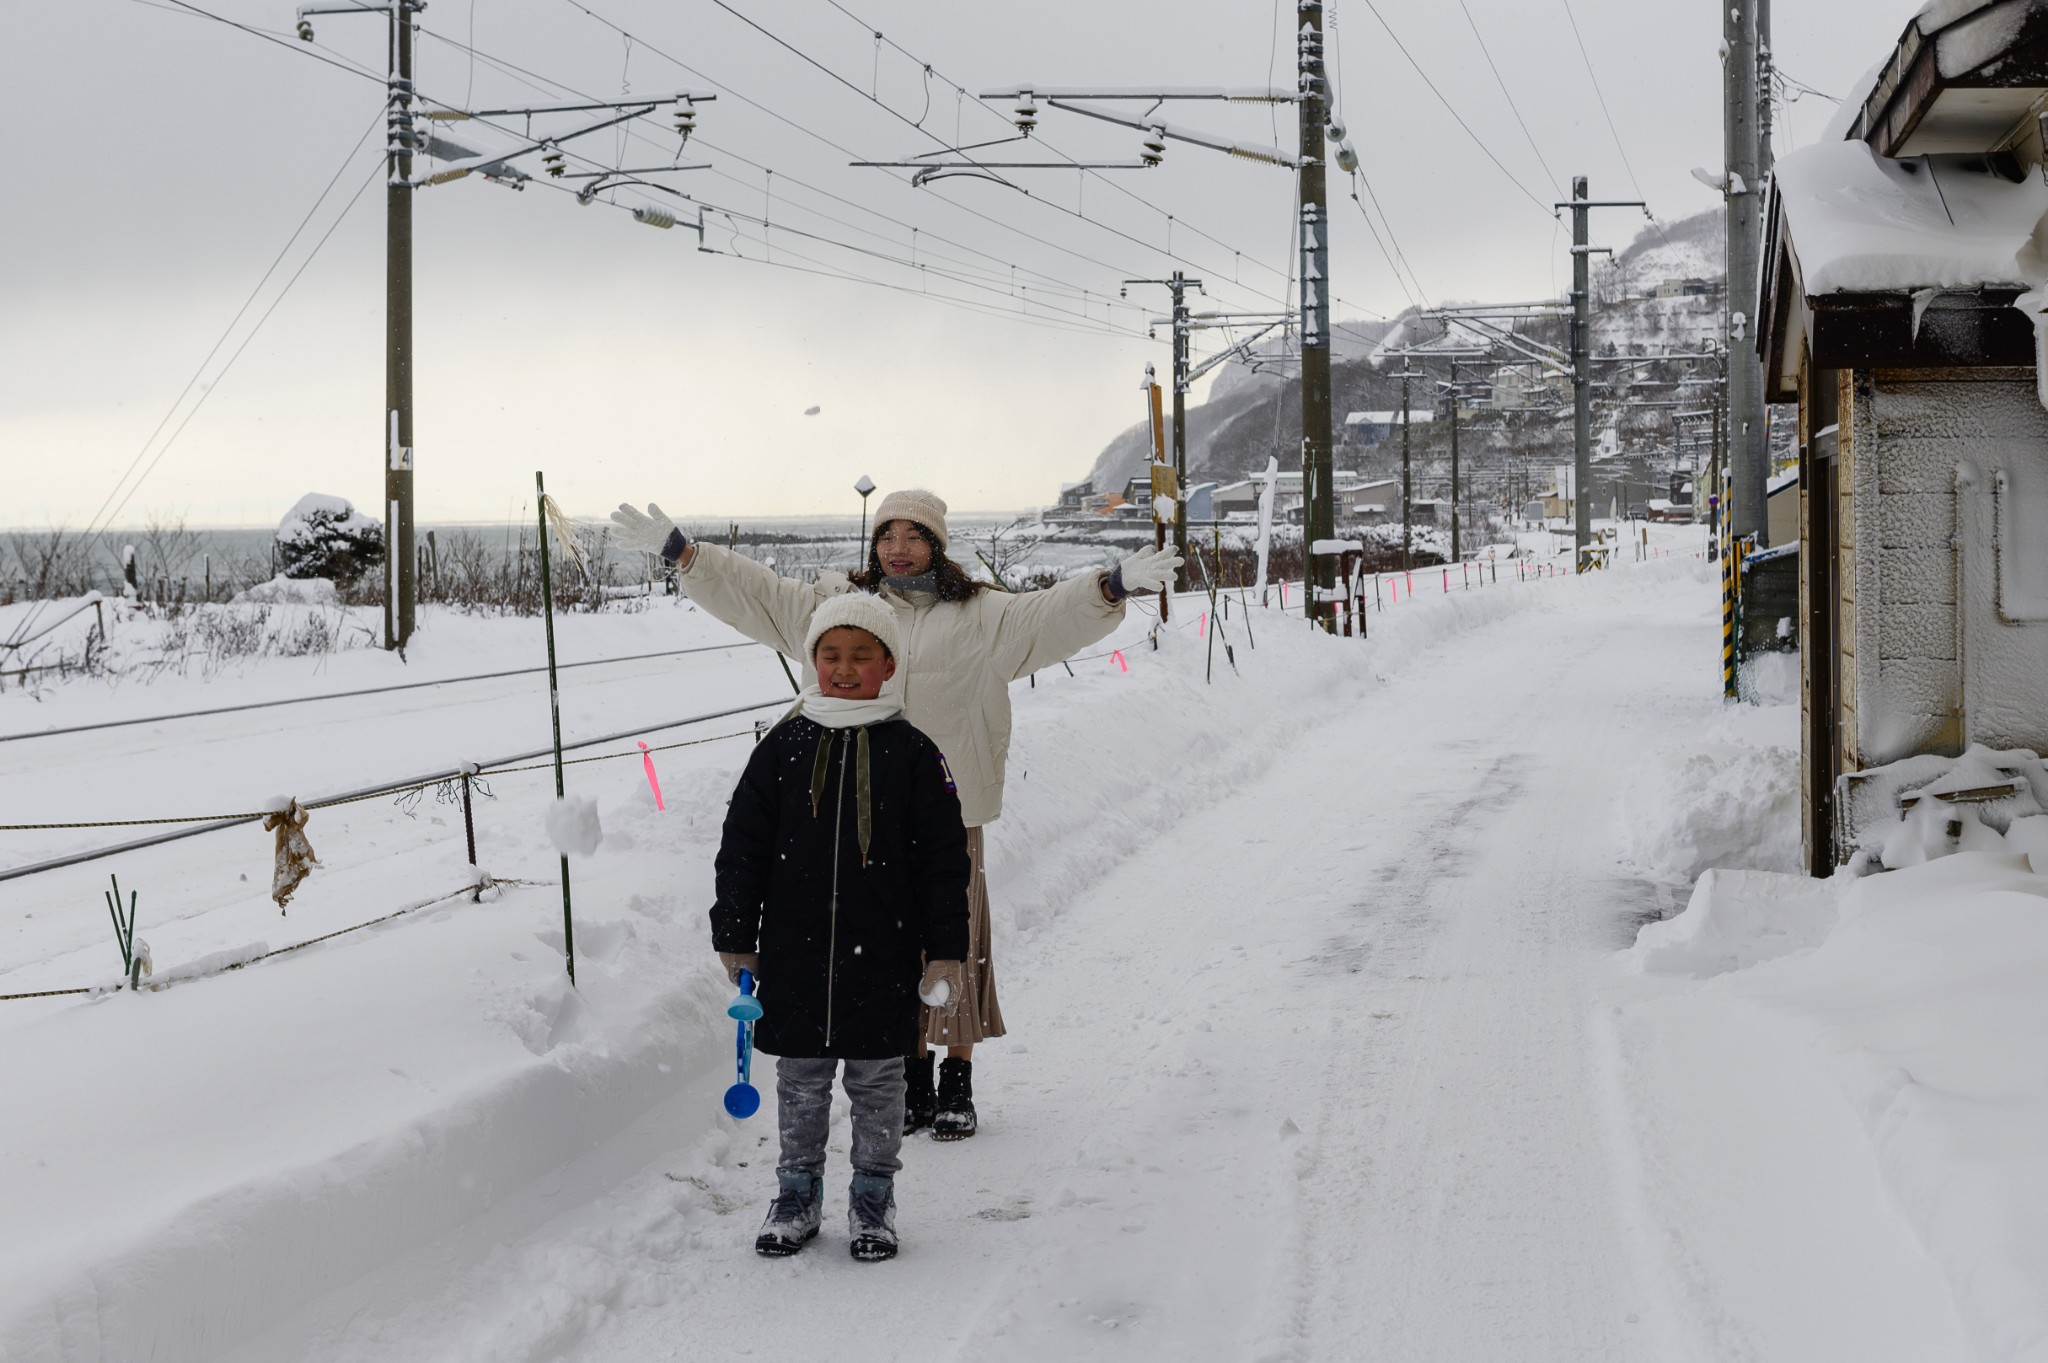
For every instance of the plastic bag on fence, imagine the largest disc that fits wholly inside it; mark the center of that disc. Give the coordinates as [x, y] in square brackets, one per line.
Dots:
[295, 859]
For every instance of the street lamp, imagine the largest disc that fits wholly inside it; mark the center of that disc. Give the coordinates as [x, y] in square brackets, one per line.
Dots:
[865, 487]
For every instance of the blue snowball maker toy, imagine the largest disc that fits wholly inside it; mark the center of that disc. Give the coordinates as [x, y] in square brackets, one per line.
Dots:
[743, 1100]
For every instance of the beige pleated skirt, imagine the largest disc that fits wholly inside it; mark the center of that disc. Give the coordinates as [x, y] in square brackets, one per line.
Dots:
[980, 1017]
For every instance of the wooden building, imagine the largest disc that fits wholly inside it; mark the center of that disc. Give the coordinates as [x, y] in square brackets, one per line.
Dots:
[1895, 310]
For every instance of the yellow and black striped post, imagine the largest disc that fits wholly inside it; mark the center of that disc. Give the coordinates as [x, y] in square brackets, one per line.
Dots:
[1731, 595]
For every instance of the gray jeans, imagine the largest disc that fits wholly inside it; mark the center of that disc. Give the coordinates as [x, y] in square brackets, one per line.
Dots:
[803, 1093]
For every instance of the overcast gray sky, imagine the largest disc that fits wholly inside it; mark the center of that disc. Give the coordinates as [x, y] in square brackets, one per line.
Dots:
[162, 159]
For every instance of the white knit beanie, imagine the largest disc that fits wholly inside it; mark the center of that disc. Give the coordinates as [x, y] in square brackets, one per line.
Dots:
[914, 504]
[857, 609]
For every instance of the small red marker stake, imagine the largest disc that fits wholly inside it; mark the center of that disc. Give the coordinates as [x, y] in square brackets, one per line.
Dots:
[647, 761]
[1202, 626]
[1117, 657]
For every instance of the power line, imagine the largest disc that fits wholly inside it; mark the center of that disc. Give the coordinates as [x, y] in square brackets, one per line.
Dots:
[1615, 132]
[1477, 141]
[234, 321]
[1057, 207]
[845, 151]
[1548, 173]
[375, 166]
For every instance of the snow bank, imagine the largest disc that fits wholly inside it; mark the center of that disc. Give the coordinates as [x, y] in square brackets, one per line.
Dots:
[316, 1116]
[1737, 919]
[1919, 993]
[1727, 796]
[1927, 806]
[1926, 1003]
[281, 590]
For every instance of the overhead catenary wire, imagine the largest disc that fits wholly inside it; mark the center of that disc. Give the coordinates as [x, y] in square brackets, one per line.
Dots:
[1594, 78]
[1452, 109]
[543, 83]
[1515, 108]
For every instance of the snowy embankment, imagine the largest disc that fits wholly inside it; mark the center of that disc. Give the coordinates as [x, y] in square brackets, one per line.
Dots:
[1916, 994]
[197, 1165]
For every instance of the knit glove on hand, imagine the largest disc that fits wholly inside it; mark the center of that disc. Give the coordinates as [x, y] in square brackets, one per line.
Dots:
[736, 961]
[651, 533]
[1145, 571]
[943, 985]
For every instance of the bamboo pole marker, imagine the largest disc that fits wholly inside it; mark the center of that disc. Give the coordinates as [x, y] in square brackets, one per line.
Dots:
[547, 596]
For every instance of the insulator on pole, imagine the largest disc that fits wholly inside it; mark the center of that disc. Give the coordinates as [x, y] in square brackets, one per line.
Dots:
[305, 30]
[654, 217]
[551, 159]
[1026, 113]
[1347, 157]
[686, 118]
[1155, 146]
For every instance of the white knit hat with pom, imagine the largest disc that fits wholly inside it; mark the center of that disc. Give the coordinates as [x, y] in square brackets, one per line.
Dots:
[914, 504]
[857, 609]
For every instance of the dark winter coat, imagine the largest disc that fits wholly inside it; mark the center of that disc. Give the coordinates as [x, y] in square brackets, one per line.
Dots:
[842, 936]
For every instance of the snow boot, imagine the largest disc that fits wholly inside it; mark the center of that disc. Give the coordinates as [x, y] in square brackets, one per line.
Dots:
[955, 1120]
[871, 1217]
[793, 1216]
[920, 1099]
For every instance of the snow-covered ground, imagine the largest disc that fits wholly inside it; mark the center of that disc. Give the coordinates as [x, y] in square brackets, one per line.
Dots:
[1323, 1042]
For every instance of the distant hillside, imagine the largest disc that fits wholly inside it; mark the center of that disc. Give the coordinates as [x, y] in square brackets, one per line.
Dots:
[1254, 409]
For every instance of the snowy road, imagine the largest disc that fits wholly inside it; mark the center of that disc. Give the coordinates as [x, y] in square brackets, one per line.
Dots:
[1326, 1070]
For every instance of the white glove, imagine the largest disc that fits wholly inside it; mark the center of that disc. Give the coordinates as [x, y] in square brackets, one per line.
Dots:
[1147, 570]
[647, 533]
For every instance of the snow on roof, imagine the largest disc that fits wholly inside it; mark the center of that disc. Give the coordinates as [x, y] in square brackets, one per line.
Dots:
[1937, 14]
[1386, 418]
[1861, 222]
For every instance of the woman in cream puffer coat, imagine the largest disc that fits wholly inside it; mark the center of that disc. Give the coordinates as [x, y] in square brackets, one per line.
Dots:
[963, 643]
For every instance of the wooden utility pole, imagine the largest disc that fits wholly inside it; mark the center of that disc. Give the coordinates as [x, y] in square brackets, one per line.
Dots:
[401, 571]
[1178, 284]
[1318, 506]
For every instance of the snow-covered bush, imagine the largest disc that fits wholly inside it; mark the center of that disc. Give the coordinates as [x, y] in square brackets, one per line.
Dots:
[326, 537]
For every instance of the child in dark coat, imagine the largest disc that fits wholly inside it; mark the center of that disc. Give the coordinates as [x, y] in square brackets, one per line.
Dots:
[842, 884]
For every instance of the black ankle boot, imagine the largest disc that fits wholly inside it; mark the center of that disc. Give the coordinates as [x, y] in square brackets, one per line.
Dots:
[920, 1099]
[955, 1119]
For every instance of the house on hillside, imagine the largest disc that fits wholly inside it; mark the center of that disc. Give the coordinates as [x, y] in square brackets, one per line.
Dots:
[1367, 429]
[1893, 311]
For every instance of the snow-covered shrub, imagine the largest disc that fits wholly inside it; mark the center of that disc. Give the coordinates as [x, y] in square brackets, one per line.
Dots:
[326, 537]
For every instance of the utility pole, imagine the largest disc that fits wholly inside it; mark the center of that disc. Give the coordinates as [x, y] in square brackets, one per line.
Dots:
[401, 590]
[1319, 520]
[1178, 284]
[1581, 358]
[1457, 510]
[1407, 486]
[1747, 455]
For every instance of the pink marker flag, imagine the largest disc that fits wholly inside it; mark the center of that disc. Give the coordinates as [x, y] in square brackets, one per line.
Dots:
[1118, 657]
[647, 761]
[1283, 593]
[1202, 626]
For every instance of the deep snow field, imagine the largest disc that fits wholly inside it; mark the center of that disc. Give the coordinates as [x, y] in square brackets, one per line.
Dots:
[1330, 1036]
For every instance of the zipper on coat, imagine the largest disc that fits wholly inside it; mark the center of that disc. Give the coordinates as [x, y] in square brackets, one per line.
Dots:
[832, 918]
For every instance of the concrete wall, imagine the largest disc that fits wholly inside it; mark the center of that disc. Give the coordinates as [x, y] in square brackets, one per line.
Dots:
[1906, 435]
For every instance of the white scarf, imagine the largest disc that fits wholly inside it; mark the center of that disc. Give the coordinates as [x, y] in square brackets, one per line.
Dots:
[838, 712]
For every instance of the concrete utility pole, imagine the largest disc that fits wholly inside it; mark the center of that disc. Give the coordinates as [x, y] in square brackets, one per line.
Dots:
[1407, 485]
[1319, 518]
[1747, 453]
[1178, 283]
[1582, 364]
[401, 589]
